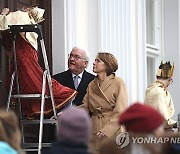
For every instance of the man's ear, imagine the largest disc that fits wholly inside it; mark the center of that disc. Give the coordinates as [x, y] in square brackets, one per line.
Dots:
[86, 63]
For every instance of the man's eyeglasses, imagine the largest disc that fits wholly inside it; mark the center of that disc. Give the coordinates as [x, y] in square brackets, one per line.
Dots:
[75, 57]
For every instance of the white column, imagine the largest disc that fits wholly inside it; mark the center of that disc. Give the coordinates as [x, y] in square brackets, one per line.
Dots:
[115, 32]
[58, 36]
[141, 48]
[70, 28]
[122, 32]
[70, 24]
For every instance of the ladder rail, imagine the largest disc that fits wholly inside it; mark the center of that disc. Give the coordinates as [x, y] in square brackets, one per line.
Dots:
[48, 76]
[16, 73]
[42, 112]
[15, 29]
[10, 90]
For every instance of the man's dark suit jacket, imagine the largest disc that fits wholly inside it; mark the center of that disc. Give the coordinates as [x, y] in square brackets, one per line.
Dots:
[65, 78]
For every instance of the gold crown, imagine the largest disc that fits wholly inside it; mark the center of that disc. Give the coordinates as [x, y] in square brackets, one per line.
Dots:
[165, 70]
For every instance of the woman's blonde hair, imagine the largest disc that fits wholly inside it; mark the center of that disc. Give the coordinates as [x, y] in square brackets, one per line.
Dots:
[110, 62]
[9, 128]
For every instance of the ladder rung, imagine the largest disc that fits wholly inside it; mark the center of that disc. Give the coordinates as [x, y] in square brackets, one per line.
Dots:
[45, 121]
[35, 145]
[29, 150]
[29, 96]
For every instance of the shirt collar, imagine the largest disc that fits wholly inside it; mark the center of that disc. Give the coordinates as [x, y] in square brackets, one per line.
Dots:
[80, 75]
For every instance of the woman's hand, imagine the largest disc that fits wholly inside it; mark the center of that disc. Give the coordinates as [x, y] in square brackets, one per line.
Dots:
[5, 11]
[101, 135]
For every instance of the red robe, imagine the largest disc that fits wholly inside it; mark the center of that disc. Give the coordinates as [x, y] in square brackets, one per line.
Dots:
[30, 79]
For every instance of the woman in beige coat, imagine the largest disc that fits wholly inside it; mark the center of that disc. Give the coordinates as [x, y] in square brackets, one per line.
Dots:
[106, 98]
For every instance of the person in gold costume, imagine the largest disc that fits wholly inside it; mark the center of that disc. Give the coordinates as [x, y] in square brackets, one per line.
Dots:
[158, 96]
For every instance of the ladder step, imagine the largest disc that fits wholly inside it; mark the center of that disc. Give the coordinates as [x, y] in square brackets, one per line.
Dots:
[45, 121]
[28, 146]
[29, 135]
[29, 150]
[29, 96]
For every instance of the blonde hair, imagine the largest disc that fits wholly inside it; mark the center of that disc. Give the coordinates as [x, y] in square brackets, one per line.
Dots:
[9, 128]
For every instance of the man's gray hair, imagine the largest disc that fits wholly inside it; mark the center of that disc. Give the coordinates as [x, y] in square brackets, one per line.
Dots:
[85, 53]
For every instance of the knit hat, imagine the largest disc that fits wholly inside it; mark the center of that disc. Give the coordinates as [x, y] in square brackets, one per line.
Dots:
[74, 125]
[141, 118]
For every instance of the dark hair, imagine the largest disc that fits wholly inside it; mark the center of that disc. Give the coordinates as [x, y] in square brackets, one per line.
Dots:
[110, 62]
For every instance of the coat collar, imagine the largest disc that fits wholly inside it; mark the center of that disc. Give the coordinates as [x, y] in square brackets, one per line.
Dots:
[99, 90]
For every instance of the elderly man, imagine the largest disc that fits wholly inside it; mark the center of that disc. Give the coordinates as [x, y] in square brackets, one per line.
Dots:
[76, 77]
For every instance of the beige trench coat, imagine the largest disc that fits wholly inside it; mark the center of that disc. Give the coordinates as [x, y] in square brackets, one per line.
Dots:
[159, 97]
[106, 102]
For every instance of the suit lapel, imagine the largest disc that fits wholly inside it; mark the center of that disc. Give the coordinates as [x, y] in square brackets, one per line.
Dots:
[69, 79]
